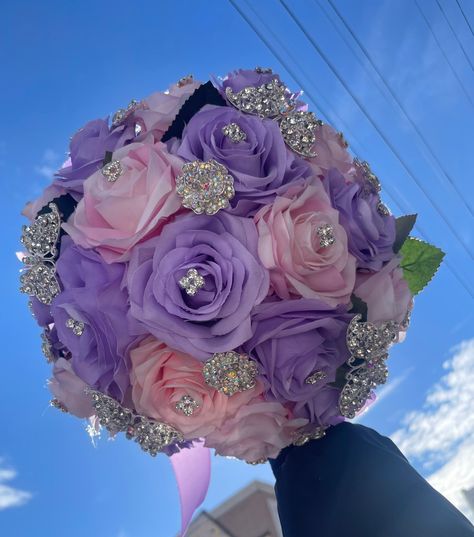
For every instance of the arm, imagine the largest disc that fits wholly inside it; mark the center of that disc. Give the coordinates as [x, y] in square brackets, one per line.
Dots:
[356, 483]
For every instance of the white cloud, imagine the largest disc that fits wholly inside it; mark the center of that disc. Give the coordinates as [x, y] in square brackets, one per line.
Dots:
[10, 496]
[440, 436]
[50, 162]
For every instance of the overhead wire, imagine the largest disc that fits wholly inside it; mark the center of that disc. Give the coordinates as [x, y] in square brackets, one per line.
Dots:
[465, 17]
[400, 105]
[401, 206]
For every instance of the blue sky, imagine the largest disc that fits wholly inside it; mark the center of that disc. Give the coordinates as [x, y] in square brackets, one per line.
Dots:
[63, 63]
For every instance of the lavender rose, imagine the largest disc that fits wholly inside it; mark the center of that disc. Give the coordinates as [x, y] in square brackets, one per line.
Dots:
[261, 165]
[223, 249]
[293, 339]
[93, 295]
[371, 234]
[243, 78]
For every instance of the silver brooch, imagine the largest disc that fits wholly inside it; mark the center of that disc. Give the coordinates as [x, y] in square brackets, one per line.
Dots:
[234, 133]
[382, 209]
[40, 239]
[315, 377]
[370, 177]
[185, 80]
[304, 438]
[55, 403]
[368, 345]
[269, 100]
[192, 282]
[123, 113]
[206, 187]
[112, 171]
[187, 405]
[77, 327]
[263, 70]
[298, 130]
[326, 235]
[46, 347]
[152, 436]
[230, 372]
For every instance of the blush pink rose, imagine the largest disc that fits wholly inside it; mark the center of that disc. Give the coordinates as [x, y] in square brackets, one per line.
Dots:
[386, 293]
[289, 247]
[161, 376]
[114, 216]
[68, 389]
[331, 152]
[259, 430]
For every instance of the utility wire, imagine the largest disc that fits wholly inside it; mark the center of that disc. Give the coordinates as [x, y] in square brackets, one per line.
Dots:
[400, 105]
[401, 206]
[465, 17]
[441, 49]
[392, 148]
[448, 22]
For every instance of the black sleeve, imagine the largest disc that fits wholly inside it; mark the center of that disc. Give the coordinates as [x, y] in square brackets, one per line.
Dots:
[356, 483]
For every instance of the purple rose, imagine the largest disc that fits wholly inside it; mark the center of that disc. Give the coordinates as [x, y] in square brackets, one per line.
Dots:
[243, 78]
[223, 249]
[87, 151]
[371, 234]
[93, 295]
[294, 339]
[322, 409]
[261, 165]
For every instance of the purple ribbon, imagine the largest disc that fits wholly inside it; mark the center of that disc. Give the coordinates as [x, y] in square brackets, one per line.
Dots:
[192, 469]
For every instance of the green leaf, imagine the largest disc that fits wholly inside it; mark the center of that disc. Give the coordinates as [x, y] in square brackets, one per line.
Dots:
[403, 226]
[358, 306]
[420, 261]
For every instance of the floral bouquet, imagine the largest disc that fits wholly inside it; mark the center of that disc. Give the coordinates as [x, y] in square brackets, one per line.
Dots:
[213, 268]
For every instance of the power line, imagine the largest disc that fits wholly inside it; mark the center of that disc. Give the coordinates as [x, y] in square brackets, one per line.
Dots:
[465, 17]
[389, 144]
[401, 206]
[455, 35]
[395, 98]
[441, 49]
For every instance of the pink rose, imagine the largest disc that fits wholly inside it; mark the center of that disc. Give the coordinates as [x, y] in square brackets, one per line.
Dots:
[290, 247]
[115, 215]
[258, 431]
[331, 152]
[68, 389]
[161, 377]
[386, 293]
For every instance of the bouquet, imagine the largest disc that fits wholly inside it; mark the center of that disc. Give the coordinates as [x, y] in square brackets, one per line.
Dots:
[213, 266]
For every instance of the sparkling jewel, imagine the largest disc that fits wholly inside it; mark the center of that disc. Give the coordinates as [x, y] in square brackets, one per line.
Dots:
[55, 403]
[123, 113]
[343, 140]
[192, 282]
[40, 238]
[298, 130]
[112, 171]
[230, 372]
[263, 70]
[137, 129]
[187, 405]
[206, 187]
[382, 209]
[76, 326]
[366, 340]
[152, 436]
[326, 235]
[268, 100]
[316, 377]
[46, 348]
[371, 178]
[234, 132]
[258, 461]
[303, 438]
[185, 80]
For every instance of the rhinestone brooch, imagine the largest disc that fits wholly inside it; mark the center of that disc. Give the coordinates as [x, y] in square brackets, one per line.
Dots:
[55, 403]
[46, 347]
[187, 405]
[206, 187]
[326, 235]
[315, 377]
[298, 130]
[368, 345]
[192, 282]
[76, 326]
[304, 438]
[40, 239]
[372, 180]
[230, 372]
[234, 133]
[112, 171]
[382, 209]
[152, 436]
[123, 113]
[185, 80]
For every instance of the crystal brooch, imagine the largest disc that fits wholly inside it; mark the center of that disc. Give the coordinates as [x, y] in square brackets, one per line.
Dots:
[368, 345]
[206, 187]
[112, 171]
[192, 282]
[298, 130]
[326, 235]
[305, 437]
[234, 133]
[230, 372]
[76, 326]
[40, 239]
[315, 377]
[187, 405]
[123, 113]
[152, 436]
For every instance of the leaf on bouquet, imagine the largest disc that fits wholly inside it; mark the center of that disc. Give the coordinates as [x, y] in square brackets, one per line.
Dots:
[403, 227]
[420, 261]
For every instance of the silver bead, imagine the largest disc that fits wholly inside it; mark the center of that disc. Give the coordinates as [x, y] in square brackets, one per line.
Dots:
[192, 282]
